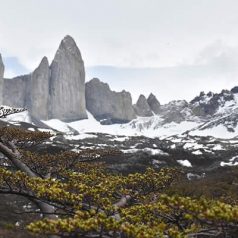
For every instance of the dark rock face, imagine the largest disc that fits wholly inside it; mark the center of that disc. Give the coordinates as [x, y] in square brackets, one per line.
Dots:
[108, 106]
[1, 78]
[206, 105]
[153, 103]
[234, 90]
[57, 91]
[67, 88]
[142, 107]
[38, 91]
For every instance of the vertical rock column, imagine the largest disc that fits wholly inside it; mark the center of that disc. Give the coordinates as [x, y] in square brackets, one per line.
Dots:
[38, 91]
[142, 107]
[67, 83]
[153, 103]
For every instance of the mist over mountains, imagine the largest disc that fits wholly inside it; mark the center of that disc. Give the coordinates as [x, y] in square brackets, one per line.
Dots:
[168, 83]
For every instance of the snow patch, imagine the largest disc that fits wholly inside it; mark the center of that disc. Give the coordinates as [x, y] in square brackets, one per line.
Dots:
[79, 137]
[185, 163]
[18, 117]
[197, 152]
[147, 150]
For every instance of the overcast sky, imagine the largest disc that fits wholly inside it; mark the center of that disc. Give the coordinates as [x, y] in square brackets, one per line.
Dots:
[174, 48]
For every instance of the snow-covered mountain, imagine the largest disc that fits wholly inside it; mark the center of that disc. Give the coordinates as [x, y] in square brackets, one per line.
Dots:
[206, 115]
[59, 92]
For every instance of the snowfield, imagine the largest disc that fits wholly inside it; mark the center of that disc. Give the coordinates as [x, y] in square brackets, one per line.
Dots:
[142, 126]
[151, 127]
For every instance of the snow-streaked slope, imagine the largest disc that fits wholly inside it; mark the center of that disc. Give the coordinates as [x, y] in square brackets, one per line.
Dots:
[58, 125]
[142, 126]
[90, 125]
[219, 131]
[155, 127]
[146, 126]
[207, 115]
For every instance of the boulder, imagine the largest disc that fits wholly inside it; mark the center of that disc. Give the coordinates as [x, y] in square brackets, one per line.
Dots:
[153, 103]
[106, 105]
[142, 107]
[67, 83]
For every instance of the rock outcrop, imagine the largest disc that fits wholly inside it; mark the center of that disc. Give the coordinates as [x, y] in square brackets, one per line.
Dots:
[108, 106]
[142, 107]
[234, 90]
[1, 78]
[15, 91]
[175, 111]
[206, 105]
[55, 91]
[153, 103]
[67, 88]
[38, 91]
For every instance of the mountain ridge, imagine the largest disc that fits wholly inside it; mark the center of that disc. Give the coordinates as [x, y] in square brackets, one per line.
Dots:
[59, 91]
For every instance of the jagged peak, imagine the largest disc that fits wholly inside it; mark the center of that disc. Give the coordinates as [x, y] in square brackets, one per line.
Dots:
[97, 81]
[69, 46]
[142, 108]
[44, 62]
[152, 97]
[234, 89]
[69, 38]
[153, 103]
[210, 94]
[141, 98]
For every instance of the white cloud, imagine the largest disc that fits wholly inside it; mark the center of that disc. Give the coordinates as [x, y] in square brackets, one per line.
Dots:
[191, 43]
[214, 68]
[135, 33]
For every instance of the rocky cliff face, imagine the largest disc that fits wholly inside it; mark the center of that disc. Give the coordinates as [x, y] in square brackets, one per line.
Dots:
[59, 91]
[15, 91]
[56, 91]
[142, 107]
[153, 103]
[206, 105]
[38, 91]
[108, 106]
[175, 111]
[67, 89]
